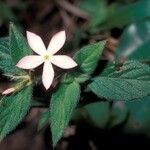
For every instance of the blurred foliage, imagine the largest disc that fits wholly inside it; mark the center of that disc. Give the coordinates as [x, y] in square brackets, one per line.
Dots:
[134, 42]
[116, 14]
[6, 13]
[139, 119]
[96, 10]
[133, 115]
[98, 113]
[119, 15]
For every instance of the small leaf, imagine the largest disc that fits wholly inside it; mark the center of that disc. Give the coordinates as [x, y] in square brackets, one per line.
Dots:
[75, 76]
[88, 57]
[139, 120]
[12, 110]
[43, 120]
[131, 82]
[119, 114]
[18, 45]
[81, 78]
[63, 102]
[98, 113]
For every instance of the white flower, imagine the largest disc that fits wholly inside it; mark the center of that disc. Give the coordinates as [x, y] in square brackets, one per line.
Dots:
[46, 56]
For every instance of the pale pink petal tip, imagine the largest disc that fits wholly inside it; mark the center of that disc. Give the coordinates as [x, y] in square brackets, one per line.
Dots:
[63, 61]
[8, 91]
[36, 43]
[57, 42]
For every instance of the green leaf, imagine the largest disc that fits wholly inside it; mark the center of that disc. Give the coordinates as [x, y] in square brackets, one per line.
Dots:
[102, 114]
[75, 76]
[81, 78]
[96, 9]
[63, 102]
[134, 12]
[43, 120]
[139, 120]
[98, 113]
[88, 57]
[18, 45]
[4, 45]
[134, 42]
[132, 81]
[12, 110]
[6, 64]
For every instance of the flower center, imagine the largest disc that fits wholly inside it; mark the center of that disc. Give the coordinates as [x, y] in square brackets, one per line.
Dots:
[47, 57]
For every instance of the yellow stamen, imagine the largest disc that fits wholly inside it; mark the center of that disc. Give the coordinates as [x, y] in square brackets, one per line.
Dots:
[46, 57]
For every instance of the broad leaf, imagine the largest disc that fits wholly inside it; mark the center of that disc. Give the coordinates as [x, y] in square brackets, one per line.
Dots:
[134, 42]
[12, 110]
[18, 45]
[63, 102]
[132, 81]
[88, 57]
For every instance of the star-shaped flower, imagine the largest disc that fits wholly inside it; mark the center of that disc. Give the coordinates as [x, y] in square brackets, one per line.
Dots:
[46, 56]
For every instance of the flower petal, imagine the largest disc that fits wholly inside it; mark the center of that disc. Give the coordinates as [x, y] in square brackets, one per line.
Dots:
[57, 42]
[36, 43]
[30, 62]
[63, 61]
[8, 91]
[48, 74]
